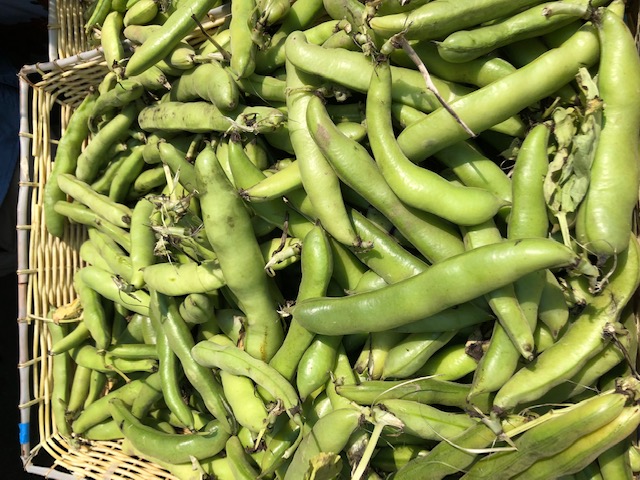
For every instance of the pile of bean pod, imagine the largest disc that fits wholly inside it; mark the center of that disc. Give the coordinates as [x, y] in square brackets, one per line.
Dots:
[333, 239]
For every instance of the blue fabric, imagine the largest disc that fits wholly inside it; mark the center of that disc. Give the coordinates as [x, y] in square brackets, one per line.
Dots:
[23, 433]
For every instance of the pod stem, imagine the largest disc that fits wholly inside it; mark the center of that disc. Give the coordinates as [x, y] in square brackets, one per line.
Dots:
[368, 451]
[401, 41]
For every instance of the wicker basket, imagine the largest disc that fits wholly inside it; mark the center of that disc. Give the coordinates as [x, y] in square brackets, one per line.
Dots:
[49, 92]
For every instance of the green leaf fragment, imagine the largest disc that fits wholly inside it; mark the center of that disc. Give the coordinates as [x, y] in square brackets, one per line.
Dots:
[576, 132]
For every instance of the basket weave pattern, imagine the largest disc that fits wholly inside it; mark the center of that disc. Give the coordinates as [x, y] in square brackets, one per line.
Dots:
[49, 93]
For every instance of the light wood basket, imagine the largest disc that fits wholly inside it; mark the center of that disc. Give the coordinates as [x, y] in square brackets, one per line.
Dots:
[49, 92]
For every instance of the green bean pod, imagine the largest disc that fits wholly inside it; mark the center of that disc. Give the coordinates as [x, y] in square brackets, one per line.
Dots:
[385, 257]
[329, 434]
[118, 154]
[586, 449]
[170, 373]
[100, 11]
[600, 364]
[138, 34]
[479, 72]
[79, 390]
[88, 356]
[373, 356]
[464, 45]
[276, 185]
[317, 267]
[412, 352]
[244, 16]
[117, 261]
[162, 41]
[541, 441]
[61, 368]
[204, 117]
[491, 267]
[602, 232]
[106, 285]
[81, 214]
[177, 162]
[198, 308]
[182, 279]
[428, 390]
[318, 177]
[528, 217]
[581, 341]
[110, 39]
[116, 213]
[452, 362]
[128, 171]
[238, 362]
[239, 461]
[133, 351]
[353, 70]
[172, 448]
[432, 236]
[181, 57]
[302, 14]
[489, 105]
[207, 81]
[141, 13]
[614, 462]
[248, 408]
[634, 457]
[316, 363]
[391, 459]
[98, 411]
[529, 209]
[450, 458]
[180, 341]
[437, 19]
[425, 421]
[69, 148]
[454, 318]
[230, 233]
[144, 240]
[150, 393]
[496, 366]
[153, 79]
[94, 157]
[245, 175]
[474, 169]
[279, 442]
[503, 301]
[121, 94]
[147, 181]
[523, 52]
[263, 87]
[416, 186]
[93, 314]
[552, 308]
